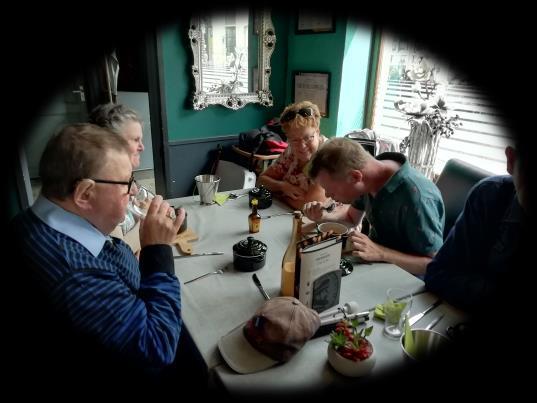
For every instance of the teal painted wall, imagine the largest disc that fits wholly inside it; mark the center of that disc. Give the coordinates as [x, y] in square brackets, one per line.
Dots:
[318, 53]
[354, 83]
[343, 53]
[186, 123]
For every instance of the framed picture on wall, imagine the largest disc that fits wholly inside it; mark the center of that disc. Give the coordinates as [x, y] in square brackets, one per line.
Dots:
[313, 87]
[314, 22]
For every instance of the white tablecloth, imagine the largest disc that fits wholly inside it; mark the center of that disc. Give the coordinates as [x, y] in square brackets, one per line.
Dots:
[214, 305]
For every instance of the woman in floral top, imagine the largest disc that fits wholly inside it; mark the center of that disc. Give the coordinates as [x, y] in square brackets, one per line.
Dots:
[287, 177]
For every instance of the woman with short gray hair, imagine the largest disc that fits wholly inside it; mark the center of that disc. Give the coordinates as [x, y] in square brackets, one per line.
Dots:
[125, 122]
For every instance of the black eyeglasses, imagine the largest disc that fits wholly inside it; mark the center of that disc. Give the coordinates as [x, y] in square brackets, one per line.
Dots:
[290, 115]
[129, 183]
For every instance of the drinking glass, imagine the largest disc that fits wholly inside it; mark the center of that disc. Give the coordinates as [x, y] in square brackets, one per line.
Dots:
[396, 309]
[140, 201]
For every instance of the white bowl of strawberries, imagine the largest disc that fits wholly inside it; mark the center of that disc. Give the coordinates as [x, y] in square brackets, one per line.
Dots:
[349, 351]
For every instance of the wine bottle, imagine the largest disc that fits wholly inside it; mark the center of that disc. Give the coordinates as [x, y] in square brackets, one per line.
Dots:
[289, 258]
[254, 219]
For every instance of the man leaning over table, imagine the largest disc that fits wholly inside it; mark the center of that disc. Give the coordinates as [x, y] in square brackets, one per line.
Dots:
[404, 208]
[91, 310]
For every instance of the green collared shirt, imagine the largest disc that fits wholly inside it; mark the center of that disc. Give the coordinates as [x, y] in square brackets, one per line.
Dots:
[407, 214]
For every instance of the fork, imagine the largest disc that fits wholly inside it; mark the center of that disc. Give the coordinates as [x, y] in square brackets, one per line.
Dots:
[219, 271]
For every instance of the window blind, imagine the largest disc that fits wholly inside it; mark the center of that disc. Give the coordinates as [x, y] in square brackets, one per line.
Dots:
[483, 135]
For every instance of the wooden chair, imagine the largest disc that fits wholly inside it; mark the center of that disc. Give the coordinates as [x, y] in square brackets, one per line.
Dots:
[261, 162]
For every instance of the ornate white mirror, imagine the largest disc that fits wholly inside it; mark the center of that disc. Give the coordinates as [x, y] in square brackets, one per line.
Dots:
[232, 51]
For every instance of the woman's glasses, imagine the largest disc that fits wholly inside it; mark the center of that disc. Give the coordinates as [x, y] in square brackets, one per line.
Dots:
[290, 115]
[303, 140]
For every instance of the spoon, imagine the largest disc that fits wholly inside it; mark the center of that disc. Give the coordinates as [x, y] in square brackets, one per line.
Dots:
[219, 271]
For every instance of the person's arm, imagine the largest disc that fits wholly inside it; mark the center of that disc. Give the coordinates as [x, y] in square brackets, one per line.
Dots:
[136, 315]
[458, 272]
[272, 179]
[142, 325]
[315, 193]
[344, 212]
[370, 251]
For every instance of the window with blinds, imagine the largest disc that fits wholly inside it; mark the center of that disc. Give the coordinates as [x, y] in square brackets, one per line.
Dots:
[483, 135]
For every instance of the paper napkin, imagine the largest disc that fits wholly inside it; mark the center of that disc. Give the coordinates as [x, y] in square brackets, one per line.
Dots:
[220, 198]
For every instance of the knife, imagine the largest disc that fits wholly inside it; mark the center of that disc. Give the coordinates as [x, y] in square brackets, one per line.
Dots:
[434, 322]
[258, 284]
[199, 254]
[420, 315]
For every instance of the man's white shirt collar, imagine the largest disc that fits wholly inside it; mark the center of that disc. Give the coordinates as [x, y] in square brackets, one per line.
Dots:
[70, 224]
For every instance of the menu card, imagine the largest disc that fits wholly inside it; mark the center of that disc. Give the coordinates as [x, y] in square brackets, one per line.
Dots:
[317, 272]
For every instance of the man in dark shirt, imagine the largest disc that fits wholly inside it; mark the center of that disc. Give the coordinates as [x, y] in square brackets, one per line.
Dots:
[90, 313]
[479, 251]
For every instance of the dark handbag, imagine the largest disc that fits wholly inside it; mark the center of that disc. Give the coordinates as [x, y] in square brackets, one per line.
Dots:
[261, 141]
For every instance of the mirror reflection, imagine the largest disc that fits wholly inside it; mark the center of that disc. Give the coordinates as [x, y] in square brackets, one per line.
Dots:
[232, 52]
[224, 52]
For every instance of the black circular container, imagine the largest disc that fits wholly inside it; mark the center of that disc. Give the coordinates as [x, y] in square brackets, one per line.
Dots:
[249, 254]
[263, 196]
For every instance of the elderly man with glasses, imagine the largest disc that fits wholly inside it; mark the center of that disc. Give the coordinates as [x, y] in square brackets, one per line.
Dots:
[102, 314]
[286, 177]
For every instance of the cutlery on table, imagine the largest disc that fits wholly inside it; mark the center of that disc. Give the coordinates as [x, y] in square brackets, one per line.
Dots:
[233, 196]
[199, 254]
[328, 209]
[219, 271]
[276, 215]
[260, 286]
[413, 319]
[434, 322]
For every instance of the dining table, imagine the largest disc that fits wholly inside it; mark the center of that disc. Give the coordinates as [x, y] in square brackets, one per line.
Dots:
[217, 303]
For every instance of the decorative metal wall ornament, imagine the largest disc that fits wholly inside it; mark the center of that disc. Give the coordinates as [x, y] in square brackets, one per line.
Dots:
[228, 93]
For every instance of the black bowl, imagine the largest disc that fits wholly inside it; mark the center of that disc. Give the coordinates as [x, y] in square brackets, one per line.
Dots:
[263, 196]
[249, 254]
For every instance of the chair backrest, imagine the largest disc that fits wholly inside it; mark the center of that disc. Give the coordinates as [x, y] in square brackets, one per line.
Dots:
[455, 182]
[367, 138]
[233, 176]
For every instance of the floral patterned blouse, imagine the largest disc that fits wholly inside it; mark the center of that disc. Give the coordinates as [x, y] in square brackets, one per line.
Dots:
[286, 168]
